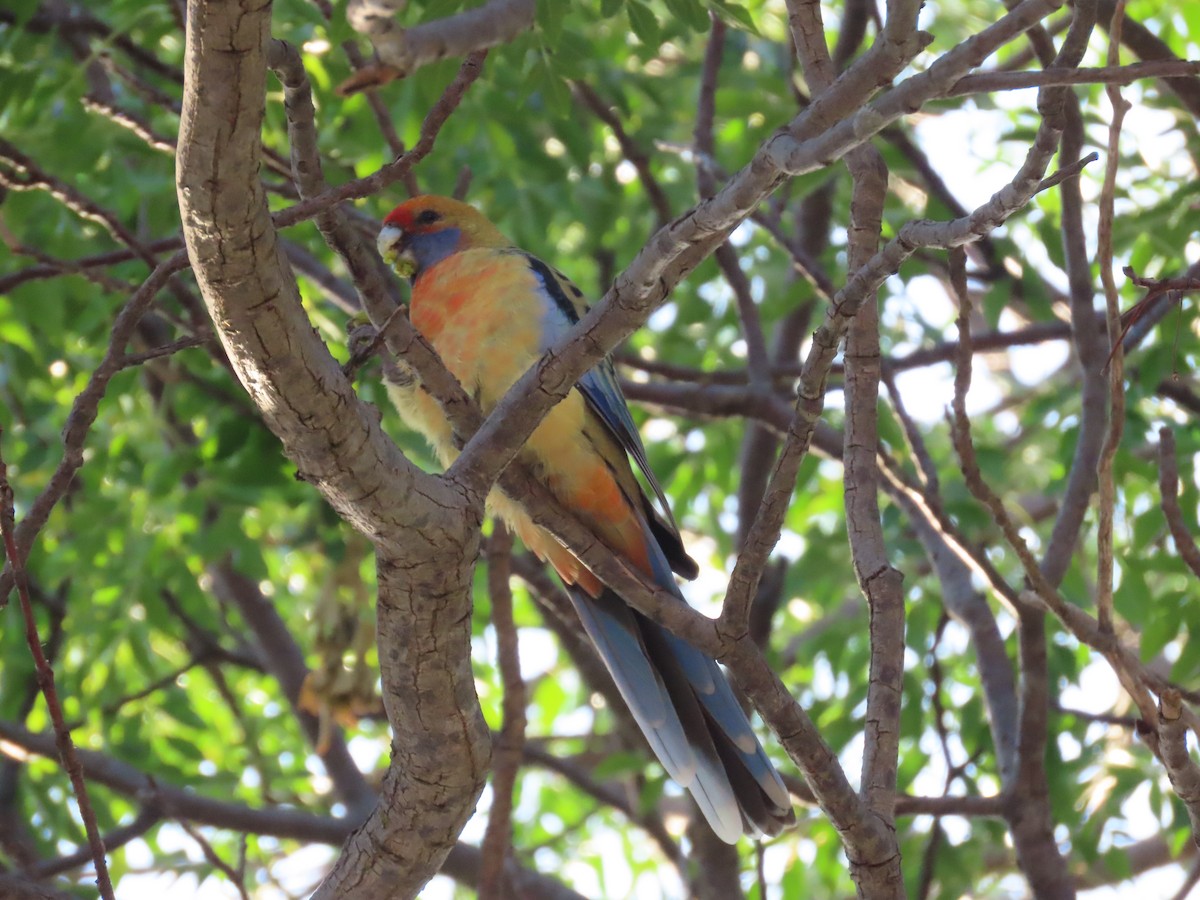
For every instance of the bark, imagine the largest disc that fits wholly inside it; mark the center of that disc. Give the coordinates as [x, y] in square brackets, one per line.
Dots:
[417, 522]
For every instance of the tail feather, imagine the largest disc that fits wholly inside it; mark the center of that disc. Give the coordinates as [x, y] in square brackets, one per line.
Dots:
[728, 719]
[714, 693]
[683, 703]
[712, 790]
[689, 714]
[764, 800]
[614, 631]
[724, 737]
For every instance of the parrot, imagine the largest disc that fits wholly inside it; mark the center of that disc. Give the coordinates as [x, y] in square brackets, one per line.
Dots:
[491, 310]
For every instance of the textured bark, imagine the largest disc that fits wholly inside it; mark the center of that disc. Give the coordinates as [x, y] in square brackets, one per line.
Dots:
[440, 747]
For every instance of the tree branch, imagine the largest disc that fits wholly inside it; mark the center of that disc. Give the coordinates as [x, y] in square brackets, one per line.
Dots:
[440, 744]
[804, 146]
[1168, 482]
[404, 50]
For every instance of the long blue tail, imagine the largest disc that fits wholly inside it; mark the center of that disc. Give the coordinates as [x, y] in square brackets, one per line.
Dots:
[688, 713]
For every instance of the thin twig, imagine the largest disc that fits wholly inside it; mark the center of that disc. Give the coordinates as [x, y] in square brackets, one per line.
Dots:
[580, 775]
[1134, 676]
[509, 745]
[1168, 481]
[1112, 74]
[196, 340]
[45, 679]
[396, 170]
[335, 227]
[148, 816]
[1116, 360]
[84, 410]
[52, 267]
[629, 148]
[214, 859]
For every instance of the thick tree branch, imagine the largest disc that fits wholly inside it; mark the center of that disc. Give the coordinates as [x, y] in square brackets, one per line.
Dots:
[440, 745]
[807, 144]
[404, 50]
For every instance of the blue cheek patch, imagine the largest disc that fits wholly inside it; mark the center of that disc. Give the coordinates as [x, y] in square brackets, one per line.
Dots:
[431, 248]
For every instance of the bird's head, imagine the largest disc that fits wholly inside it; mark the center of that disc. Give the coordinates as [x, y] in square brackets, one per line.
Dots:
[421, 232]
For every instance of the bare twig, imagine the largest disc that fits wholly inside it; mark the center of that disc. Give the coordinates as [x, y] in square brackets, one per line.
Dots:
[509, 744]
[396, 170]
[236, 878]
[403, 51]
[1134, 676]
[45, 679]
[52, 268]
[1112, 74]
[1168, 480]
[579, 775]
[339, 233]
[134, 123]
[634, 153]
[20, 173]
[137, 359]
[84, 410]
[148, 816]
[1116, 361]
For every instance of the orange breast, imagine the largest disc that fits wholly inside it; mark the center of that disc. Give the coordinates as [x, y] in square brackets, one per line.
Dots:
[482, 311]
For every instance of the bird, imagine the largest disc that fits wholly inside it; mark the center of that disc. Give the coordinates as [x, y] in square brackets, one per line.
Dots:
[491, 310]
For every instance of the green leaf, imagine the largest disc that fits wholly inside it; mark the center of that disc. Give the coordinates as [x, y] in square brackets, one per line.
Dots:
[619, 764]
[175, 703]
[690, 12]
[554, 89]
[550, 17]
[643, 22]
[735, 14]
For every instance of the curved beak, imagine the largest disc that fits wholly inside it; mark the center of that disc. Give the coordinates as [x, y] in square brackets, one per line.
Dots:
[390, 243]
[393, 245]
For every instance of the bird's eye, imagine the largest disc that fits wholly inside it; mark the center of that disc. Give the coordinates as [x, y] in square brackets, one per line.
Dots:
[428, 217]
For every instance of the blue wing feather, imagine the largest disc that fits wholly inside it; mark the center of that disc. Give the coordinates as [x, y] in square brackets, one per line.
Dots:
[659, 675]
[563, 307]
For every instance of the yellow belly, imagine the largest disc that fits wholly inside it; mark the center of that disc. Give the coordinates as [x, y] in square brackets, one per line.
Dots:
[488, 341]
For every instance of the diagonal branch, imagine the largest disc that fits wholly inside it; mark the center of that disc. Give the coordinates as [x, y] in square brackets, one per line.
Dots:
[171, 802]
[404, 50]
[807, 144]
[1168, 481]
[45, 680]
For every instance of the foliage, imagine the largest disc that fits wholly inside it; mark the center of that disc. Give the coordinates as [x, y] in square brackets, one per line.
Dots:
[183, 491]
